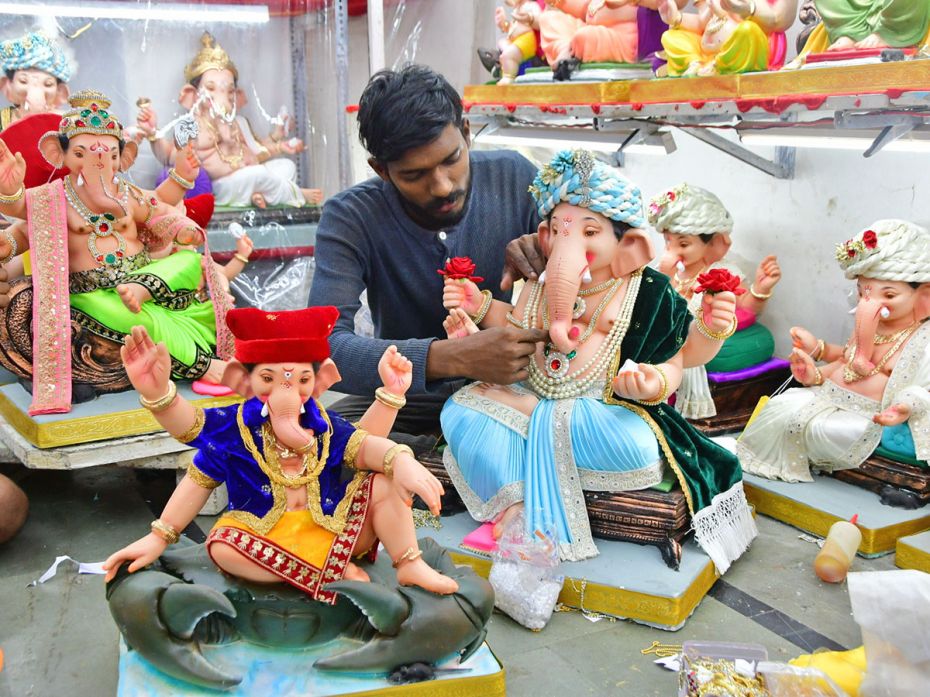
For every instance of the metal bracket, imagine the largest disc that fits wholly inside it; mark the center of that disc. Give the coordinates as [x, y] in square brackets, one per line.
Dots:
[781, 168]
[893, 127]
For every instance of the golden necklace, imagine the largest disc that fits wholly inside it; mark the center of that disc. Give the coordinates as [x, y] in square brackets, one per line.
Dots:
[850, 375]
[312, 463]
[234, 161]
[683, 285]
[888, 338]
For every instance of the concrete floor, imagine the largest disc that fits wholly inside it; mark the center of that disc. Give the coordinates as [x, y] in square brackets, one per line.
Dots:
[59, 639]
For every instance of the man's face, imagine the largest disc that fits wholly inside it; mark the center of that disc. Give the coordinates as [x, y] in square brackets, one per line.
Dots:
[433, 180]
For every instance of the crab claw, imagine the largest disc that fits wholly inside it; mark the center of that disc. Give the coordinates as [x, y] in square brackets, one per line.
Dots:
[156, 613]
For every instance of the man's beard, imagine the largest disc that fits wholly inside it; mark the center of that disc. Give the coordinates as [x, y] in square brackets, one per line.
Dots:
[429, 217]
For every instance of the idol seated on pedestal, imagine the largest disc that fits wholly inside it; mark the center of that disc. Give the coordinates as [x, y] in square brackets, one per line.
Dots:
[520, 42]
[851, 27]
[310, 496]
[869, 393]
[697, 229]
[90, 235]
[241, 168]
[581, 420]
[35, 73]
[726, 36]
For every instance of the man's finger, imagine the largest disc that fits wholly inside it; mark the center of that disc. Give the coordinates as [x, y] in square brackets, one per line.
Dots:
[533, 336]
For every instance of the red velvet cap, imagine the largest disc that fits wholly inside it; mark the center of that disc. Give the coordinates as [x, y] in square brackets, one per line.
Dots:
[200, 208]
[275, 337]
[23, 136]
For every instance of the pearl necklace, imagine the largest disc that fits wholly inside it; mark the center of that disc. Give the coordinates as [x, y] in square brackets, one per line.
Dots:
[567, 386]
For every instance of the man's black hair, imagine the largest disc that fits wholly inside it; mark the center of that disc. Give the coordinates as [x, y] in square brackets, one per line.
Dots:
[405, 109]
[64, 140]
[619, 228]
[11, 73]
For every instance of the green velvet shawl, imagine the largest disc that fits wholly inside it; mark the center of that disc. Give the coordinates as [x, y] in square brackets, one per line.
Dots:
[658, 329]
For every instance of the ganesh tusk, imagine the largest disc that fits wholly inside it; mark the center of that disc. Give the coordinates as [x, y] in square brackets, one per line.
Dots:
[884, 313]
[680, 266]
[586, 276]
[303, 409]
[264, 410]
[853, 311]
[542, 277]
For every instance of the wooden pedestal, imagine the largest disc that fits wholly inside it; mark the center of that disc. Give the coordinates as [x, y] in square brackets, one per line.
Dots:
[898, 484]
[736, 401]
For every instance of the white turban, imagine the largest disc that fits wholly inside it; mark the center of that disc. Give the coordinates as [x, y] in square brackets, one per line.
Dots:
[889, 250]
[689, 210]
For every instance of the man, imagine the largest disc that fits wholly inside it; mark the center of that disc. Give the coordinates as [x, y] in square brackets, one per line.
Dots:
[432, 199]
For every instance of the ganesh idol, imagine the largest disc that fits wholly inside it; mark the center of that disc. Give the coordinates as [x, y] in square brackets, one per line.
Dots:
[591, 414]
[36, 71]
[244, 170]
[872, 390]
[91, 236]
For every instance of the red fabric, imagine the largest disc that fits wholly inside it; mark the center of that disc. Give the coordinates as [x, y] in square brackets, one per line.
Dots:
[778, 49]
[200, 209]
[275, 337]
[23, 137]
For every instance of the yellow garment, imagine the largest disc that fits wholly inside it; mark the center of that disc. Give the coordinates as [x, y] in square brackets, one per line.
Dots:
[745, 51]
[296, 532]
[526, 42]
[845, 668]
[27, 263]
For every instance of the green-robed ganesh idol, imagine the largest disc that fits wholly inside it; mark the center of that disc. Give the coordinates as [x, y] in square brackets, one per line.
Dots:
[591, 414]
[90, 235]
[873, 390]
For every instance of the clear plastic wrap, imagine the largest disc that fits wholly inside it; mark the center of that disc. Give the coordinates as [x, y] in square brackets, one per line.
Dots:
[524, 574]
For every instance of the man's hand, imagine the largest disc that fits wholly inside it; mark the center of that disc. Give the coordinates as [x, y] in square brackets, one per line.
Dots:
[499, 355]
[523, 258]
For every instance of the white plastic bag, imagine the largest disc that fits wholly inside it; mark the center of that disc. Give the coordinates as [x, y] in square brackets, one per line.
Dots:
[524, 574]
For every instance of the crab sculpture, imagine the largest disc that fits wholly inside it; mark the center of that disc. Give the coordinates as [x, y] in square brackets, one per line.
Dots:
[166, 611]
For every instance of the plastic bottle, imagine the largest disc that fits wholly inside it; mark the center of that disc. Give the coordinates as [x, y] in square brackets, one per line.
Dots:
[838, 551]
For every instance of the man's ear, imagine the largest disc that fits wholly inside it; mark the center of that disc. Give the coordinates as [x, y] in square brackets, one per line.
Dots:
[237, 378]
[379, 168]
[327, 375]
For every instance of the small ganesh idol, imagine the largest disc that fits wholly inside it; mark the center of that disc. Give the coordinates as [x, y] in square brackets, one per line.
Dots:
[519, 43]
[872, 390]
[36, 70]
[697, 230]
[305, 486]
[726, 36]
[591, 414]
[90, 235]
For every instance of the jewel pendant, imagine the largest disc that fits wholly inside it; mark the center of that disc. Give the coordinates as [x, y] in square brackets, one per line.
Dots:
[579, 309]
[558, 363]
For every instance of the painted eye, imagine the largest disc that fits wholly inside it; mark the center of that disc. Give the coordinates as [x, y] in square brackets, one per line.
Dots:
[304, 380]
[267, 379]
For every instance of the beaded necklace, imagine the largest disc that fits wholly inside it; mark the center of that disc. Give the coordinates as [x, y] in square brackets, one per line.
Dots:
[102, 223]
[312, 463]
[574, 385]
[850, 375]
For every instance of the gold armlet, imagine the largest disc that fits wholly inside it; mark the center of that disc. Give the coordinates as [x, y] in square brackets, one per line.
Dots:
[479, 316]
[244, 259]
[14, 197]
[387, 465]
[14, 247]
[179, 180]
[162, 403]
[196, 427]
[165, 531]
[663, 392]
[716, 336]
[392, 401]
[757, 295]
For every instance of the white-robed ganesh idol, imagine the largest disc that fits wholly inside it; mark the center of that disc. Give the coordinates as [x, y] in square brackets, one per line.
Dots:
[875, 389]
[581, 421]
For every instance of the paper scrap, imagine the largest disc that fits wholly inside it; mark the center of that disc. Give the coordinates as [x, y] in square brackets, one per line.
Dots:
[83, 568]
[630, 367]
[672, 663]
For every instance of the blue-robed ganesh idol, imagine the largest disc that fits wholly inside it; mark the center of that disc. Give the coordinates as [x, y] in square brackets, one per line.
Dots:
[592, 413]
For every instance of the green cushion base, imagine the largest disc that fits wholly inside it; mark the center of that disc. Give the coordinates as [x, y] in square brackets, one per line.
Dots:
[669, 482]
[748, 347]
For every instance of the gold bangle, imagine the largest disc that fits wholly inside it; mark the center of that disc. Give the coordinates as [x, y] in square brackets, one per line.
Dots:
[14, 197]
[304, 449]
[387, 466]
[663, 393]
[479, 316]
[165, 531]
[818, 377]
[195, 429]
[244, 259]
[757, 295]
[157, 405]
[677, 24]
[178, 179]
[14, 247]
[390, 400]
[716, 336]
[820, 347]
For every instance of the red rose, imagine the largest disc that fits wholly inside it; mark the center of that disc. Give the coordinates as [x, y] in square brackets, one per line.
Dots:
[671, 195]
[718, 281]
[850, 252]
[460, 267]
[870, 239]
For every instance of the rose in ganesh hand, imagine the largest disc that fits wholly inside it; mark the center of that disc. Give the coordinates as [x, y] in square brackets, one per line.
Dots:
[458, 268]
[718, 281]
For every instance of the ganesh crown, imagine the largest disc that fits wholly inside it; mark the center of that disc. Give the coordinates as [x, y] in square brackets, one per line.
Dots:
[89, 114]
[210, 57]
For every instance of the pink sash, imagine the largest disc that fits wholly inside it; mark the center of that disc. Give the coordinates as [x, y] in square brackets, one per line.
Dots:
[47, 218]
